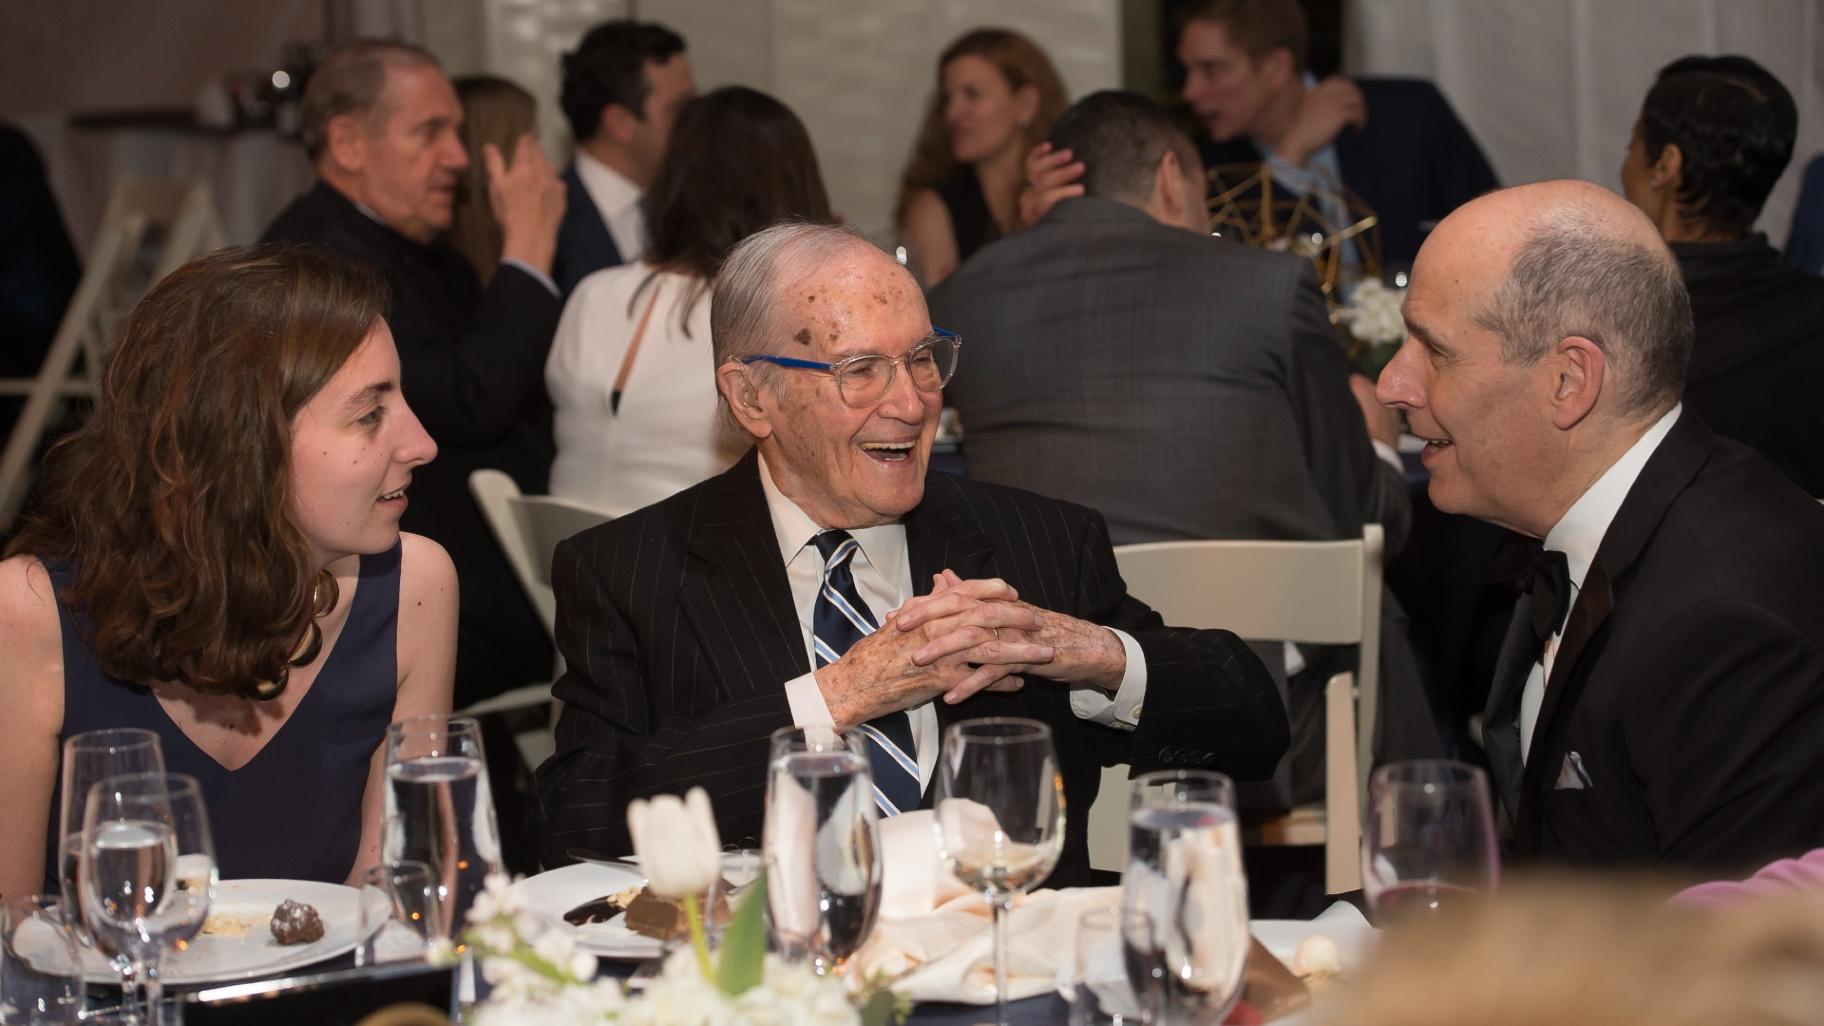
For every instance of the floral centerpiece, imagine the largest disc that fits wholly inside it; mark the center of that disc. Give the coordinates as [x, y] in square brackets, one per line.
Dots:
[1374, 324]
[539, 978]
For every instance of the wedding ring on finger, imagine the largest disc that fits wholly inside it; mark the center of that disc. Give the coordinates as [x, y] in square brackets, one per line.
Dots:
[997, 633]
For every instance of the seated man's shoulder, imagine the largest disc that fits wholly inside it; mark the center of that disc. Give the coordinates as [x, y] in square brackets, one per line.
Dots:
[664, 524]
[1397, 93]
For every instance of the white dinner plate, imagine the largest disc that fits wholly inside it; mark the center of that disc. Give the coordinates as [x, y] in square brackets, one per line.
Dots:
[222, 957]
[553, 893]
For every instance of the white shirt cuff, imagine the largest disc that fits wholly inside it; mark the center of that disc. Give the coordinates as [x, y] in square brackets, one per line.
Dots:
[1388, 454]
[806, 701]
[537, 275]
[1122, 709]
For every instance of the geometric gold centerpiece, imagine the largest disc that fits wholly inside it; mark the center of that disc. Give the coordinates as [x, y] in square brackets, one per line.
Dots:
[1247, 205]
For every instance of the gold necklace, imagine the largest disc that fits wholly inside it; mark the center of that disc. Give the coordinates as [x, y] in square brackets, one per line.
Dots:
[323, 597]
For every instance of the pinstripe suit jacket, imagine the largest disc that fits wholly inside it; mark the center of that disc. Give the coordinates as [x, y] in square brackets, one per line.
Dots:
[678, 630]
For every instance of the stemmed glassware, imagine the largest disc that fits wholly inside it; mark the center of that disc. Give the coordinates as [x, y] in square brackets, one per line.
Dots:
[1428, 839]
[88, 758]
[1187, 948]
[146, 871]
[822, 845]
[440, 810]
[1000, 816]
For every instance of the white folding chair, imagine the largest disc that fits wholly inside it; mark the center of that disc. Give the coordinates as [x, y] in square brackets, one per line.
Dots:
[528, 528]
[177, 221]
[1311, 592]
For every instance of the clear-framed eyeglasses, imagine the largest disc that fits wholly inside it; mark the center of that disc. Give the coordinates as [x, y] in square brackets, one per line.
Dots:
[862, 380]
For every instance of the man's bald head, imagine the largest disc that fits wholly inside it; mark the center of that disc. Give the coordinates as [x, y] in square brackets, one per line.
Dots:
[1566, 258]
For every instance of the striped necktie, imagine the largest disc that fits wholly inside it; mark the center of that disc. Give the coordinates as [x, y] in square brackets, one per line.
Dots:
[840, 619]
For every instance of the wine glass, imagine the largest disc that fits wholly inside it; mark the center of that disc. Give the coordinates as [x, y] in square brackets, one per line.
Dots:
[400, 913]
[440, 810]
[1184, 878]
[90, 757]
[146, 871]
[1000, 816]
[822, 845]
[1428, 839]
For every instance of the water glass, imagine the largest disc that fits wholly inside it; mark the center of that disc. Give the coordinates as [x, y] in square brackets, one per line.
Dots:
[146, 871]
[401, 912]
[40, 984]
[822, 846]
[1428, 839]
[440, 810]
[1101, 992]
[88, 758]
[1184, 874]
[1000, 816]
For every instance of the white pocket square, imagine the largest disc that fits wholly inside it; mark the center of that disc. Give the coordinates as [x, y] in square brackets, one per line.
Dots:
[1572, 776]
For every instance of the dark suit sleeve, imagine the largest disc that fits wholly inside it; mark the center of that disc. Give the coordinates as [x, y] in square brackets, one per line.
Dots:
[614, 745]
[1357, 486]
[469, 390]
[1457, 168]
[1210, 703]
[1724, 728]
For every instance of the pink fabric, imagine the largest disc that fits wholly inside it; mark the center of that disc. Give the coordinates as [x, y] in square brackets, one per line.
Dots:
[1805, 873]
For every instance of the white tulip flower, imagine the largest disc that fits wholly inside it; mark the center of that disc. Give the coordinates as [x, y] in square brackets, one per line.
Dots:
[676, 843]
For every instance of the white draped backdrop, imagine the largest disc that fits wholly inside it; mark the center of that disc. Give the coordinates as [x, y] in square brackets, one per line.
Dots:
[1552, 87]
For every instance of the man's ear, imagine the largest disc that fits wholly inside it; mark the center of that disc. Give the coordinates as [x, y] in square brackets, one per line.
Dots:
[741, 391]
[1579, 369]
[1668, 167]
[346, 142]
[1276, 67]
[1172, 197]
[618, 123]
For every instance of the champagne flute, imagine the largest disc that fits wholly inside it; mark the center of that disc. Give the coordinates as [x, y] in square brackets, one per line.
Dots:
[90, 757]
[147, 871]
[440, 810]
[822, 843]
[1184, 879]
[1428, 840]
[1000, 816]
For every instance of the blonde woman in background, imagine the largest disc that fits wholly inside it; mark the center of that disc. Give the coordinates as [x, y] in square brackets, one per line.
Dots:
[1595, 952]
[494, 111]
[997, 95]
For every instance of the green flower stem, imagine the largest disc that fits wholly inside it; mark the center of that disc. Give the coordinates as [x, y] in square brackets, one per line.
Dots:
[694, 916]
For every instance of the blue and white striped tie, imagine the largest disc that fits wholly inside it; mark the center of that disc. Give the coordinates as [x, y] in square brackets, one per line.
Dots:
[840, 619]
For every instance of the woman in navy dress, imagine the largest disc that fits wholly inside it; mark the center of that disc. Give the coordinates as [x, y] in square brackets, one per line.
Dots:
[216, 556]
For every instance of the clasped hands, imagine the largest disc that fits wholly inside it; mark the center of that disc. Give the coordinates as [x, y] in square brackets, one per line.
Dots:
[963, 637]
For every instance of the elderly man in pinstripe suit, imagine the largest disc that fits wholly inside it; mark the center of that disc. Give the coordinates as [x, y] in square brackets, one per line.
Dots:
[827, 578]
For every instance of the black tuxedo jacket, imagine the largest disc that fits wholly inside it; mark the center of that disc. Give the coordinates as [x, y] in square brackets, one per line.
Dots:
[472, 365]
[584, 245]
[1413, 162]
[1688, 687]
[679, 632]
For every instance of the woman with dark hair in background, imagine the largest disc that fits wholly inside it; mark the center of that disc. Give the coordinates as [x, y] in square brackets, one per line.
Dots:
[495, 111]
[997, 95]
[1714, 135]
[216, 557]
[630, 372]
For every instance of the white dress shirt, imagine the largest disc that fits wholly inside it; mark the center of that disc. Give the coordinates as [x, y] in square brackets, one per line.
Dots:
[617, 199]
[1578, 534]
[883, 576]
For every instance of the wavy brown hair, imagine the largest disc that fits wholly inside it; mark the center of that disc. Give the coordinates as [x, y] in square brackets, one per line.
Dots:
[172, 503]
[1022, 64]
[494, 110]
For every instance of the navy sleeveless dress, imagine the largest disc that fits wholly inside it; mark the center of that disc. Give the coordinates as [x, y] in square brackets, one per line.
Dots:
[294, 811]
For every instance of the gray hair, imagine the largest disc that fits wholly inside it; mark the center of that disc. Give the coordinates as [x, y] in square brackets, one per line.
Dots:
[1573, 276]
[350, 81]
[747, 289]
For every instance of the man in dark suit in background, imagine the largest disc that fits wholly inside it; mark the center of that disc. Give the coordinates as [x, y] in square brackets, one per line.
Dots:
[379, 120]
[1394, 142]
[621, 91]
[1182, 386]
[695, 627]
[1660, 694]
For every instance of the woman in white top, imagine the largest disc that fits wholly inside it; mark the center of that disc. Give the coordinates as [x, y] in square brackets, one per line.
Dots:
[630, 372]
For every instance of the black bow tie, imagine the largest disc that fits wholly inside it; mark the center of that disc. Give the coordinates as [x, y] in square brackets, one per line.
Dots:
[1549, 588]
